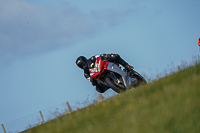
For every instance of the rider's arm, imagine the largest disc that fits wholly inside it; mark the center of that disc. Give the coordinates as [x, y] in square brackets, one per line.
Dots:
[87, 76]
[110, 57]
[116, 58]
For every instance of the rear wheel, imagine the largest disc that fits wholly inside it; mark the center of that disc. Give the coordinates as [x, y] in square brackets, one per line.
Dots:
[140, 79]
[116, 86]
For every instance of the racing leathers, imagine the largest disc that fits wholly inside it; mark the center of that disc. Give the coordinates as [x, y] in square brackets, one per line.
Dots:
[106, 57]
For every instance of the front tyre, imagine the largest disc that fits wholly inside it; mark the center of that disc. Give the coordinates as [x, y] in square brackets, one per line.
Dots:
[117, 87]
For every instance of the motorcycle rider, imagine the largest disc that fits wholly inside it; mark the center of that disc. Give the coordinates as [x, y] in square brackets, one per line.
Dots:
[82, 62]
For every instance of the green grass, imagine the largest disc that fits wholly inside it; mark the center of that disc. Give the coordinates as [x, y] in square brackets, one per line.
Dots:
[168, 105]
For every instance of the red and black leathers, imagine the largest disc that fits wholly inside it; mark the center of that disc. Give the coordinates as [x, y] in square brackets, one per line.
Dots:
[107, 57]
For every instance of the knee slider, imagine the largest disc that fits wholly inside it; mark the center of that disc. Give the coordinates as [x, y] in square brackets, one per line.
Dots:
[100, 89]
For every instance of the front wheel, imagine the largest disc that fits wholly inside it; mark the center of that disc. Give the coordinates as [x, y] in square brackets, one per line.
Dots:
[116, 86]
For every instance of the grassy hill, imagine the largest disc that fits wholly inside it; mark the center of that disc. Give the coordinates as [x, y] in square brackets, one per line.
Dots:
[168, 105]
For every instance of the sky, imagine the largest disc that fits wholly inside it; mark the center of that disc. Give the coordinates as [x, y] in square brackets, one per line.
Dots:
[40, 41]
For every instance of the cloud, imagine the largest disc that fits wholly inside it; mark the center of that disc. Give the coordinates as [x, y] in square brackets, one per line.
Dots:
[28, 28]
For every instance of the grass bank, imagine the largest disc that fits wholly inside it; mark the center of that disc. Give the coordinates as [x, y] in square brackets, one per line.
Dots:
[168, 105]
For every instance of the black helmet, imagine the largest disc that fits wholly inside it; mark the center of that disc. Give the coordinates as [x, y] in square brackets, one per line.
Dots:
[81, 62]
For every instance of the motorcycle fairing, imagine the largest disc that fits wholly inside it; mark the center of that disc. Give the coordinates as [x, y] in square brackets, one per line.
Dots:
[98, 69]
[114, 68]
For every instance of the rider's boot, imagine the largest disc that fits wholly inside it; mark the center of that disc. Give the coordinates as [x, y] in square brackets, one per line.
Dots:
[128, 67]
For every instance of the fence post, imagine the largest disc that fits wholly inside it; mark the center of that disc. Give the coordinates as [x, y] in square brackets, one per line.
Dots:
[69, 108]
[3, 128]
[100, 97]
[179, 68]
[41, 117]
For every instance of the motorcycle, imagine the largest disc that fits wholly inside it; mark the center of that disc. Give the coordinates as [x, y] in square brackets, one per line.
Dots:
[113, 76]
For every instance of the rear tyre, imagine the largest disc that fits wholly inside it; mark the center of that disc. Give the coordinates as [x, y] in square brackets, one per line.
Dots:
[140, 79]
[117, 87]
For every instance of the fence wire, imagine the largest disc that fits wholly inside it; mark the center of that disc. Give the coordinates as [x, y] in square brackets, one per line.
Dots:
[23, 123]
[33, 120]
